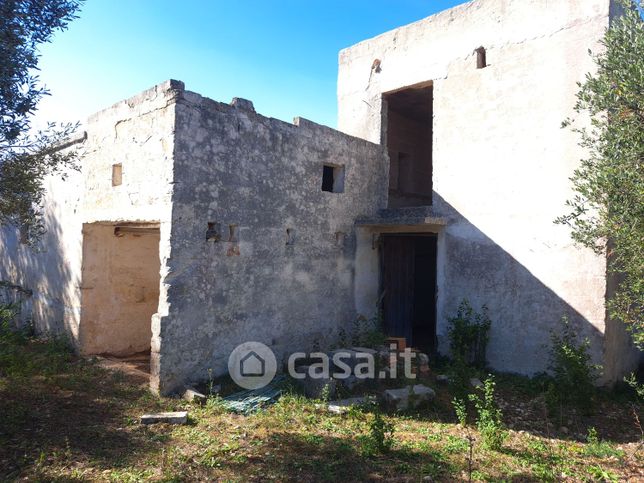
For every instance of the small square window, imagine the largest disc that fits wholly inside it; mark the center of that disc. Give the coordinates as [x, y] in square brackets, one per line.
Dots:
[117, 174]
[333, 178]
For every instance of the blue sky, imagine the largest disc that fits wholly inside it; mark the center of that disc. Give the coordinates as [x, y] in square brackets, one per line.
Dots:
[281, 54]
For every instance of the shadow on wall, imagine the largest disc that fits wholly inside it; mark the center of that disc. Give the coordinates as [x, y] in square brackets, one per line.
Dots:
[523, 309]
[54, 306]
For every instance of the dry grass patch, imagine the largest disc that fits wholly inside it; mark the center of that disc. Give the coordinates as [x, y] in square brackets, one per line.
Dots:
[67, 419]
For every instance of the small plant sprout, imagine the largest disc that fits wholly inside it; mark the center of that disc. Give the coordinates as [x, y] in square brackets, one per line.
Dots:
[489, 419]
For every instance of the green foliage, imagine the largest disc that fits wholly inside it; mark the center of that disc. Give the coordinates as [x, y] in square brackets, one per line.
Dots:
[381, 435]
[598, 473]
[574, 376]
[607, 212]
[455, 444]
[23, 170]
[600, 448]
[369, 332]
[11, 339]
[489, 420]
[635, 385]
[459, 378]
[15, 362]
[325, 393]
[7, 313]
[211, 383]
[23, 25]
[469, 334]
[26, 159]
[460, 408]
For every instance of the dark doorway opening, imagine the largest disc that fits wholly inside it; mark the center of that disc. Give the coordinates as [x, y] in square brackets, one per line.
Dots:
[409, 285]
[327, 178]
[408, 137]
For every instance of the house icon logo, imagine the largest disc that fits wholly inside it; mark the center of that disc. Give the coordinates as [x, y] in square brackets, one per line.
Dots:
[252, 365]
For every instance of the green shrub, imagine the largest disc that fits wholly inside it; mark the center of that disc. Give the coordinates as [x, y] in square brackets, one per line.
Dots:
[381, 435]
[368, 332]
[489, 418]
[574, 376]
[8, 333]
[632, 382]
[459, 378]
[469, 334]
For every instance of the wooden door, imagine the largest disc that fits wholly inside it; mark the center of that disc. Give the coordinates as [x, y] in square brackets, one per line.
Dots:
[398, 280]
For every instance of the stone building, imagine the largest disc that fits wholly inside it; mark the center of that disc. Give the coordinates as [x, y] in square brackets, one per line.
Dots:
[194, 226]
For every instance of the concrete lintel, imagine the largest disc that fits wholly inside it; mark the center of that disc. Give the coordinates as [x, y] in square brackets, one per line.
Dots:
[398, 225]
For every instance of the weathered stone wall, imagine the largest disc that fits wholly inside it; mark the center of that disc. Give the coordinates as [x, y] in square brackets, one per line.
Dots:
[136, 133]
[501, 162]
[282, 272]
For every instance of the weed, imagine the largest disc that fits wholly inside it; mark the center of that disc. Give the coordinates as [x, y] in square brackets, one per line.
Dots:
[455, 444]
[369, 332]
[599, 474]
[460, 408]
[325, 393]
[600, 448]
[469, 334]
[459, 378]
[489, 420]
[215, 405]
[381, 435]
[574, 376]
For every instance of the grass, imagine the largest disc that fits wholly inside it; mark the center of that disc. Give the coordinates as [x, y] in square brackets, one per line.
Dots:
[63, 418]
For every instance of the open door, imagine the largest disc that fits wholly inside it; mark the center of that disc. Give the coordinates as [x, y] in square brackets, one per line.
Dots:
[409, 285]
[120, 285]
[408, 136]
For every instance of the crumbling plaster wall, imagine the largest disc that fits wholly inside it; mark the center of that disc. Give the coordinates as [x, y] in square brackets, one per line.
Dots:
[501, 162]
[285, 278]
[138, 133]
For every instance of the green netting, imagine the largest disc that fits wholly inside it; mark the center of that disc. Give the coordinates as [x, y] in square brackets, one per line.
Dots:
[246, 402]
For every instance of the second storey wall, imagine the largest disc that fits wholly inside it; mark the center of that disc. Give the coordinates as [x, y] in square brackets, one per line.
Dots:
[501, 162]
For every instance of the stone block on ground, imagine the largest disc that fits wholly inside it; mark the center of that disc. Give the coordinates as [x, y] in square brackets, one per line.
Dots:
[194, 396]
[177, 417]
[343, 405]
[408, 397]
[476, 383]
[315, 387]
